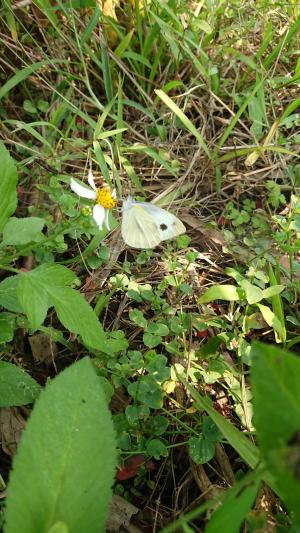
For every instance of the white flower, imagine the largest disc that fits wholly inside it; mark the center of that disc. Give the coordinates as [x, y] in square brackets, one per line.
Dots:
[104, 198]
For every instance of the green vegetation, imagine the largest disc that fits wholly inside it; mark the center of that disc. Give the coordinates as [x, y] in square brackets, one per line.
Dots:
[162, 376]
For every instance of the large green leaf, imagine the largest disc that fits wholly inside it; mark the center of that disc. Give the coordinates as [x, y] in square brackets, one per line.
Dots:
[276, 398]
[16, 386]
[19, 231]
[46, 286]
[8, 184]
[77, 316]
[7, 327]
[8, 294]
[34, 299]
[53, 274]
[63, 470]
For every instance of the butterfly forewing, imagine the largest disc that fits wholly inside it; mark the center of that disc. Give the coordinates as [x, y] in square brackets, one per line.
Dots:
[138, 227]
[145, 225]
[168, 225]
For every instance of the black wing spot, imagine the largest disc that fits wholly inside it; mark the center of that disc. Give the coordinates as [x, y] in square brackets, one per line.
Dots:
[163, 227]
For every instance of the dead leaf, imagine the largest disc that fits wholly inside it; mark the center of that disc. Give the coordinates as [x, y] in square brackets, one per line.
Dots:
[43, 348]
[209, 233]
[120, 513]
[12, 424]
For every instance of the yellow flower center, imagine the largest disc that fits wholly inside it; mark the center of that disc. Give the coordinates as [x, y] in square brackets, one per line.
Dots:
[105, 198]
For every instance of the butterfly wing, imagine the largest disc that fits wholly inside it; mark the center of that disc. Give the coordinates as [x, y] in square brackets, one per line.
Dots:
[168, 225]
[139, 229]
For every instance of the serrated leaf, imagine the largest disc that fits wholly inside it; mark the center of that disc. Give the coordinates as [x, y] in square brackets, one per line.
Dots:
[53, 274]
[150, 340]
[157, 449]
[46, 286]
[158, 329]
[64, 467]
[7, 322]
[138, 318]
[19, 231]
[158, 425]
[77, 316]
[34, 299]
[276, 377]
[16, 386]
[210, 430]
[8, 184]
[201, 450]
[147, 392]
[229, 293]
[158, 369]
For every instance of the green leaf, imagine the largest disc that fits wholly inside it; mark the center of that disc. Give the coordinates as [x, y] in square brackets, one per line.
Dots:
[273, 291]
[138, 318]
[16, 386]
[253, 293]
[210, 430]
[201, 450]
[6, 328]
[158, 369]
[53, 274]
[23, 230]
[230, 293]
[151, 340]
[271, 319]
[64, 467]
[8, 184]
[157, 425]
[34, 299]
[77, 316]
[8, 294]
[276, 399]
[146, 391]
[45, 286]
[238, 501]
[136, 413]
[158, 329]
[157, 449]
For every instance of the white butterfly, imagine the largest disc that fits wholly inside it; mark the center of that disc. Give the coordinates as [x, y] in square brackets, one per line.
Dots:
[145, 225]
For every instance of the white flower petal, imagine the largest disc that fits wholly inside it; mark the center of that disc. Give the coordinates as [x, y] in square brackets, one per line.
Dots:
[82, 191]
[106, 220]
[99, 214]
[91, 180]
